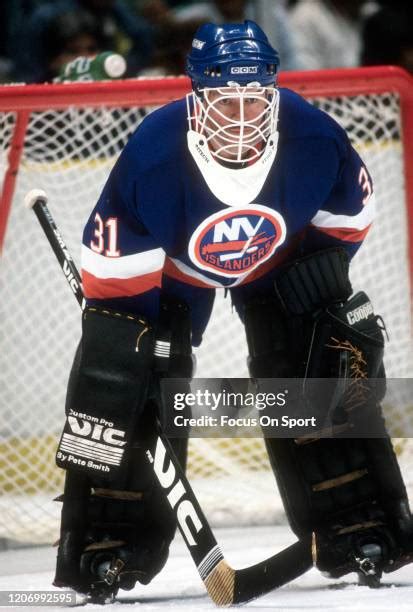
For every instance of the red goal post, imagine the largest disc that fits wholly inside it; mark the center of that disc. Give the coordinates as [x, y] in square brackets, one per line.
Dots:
[375, 105]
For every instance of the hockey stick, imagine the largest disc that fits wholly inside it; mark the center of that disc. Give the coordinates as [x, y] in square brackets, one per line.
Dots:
[224, 584]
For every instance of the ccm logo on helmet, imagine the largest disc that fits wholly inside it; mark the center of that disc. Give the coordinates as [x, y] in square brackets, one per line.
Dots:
[198, 44]
[232, 242]
[244, 70]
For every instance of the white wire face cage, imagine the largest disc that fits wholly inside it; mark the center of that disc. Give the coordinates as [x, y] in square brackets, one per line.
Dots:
[236, 122]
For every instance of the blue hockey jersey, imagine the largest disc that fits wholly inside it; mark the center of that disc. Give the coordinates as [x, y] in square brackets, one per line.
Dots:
[158, 227]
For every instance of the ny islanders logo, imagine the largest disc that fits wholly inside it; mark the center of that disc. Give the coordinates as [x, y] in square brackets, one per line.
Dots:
[235, 241]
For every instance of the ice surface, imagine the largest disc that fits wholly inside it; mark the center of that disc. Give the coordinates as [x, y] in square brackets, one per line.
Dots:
[179, 587]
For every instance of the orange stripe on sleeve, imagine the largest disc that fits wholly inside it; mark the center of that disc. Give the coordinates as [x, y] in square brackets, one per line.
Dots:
[171, 270]
[101, 288]
[347, 234]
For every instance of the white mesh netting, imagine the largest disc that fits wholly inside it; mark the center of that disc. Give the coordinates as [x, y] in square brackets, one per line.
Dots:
[69, 154]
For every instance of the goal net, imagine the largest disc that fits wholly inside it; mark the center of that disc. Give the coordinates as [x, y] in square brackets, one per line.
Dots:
[65, 139]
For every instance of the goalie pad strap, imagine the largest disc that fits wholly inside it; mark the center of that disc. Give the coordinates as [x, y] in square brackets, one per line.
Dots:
[115, 494]
[173, 349]
[339, 480]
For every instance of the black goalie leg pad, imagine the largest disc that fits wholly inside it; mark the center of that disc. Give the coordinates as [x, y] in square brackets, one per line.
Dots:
[73, 527]
[107, 390]
[117, 531]
[116, 534]
[349, 491]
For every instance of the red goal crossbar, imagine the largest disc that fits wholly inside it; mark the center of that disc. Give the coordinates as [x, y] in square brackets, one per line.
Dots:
[25, 99]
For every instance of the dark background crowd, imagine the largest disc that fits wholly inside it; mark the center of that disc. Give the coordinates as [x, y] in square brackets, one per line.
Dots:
[39, 36]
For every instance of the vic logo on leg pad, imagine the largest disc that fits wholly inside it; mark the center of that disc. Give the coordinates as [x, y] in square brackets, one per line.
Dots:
[91, 443]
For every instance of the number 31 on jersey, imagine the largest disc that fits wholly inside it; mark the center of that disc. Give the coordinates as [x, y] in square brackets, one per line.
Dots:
[106, 234]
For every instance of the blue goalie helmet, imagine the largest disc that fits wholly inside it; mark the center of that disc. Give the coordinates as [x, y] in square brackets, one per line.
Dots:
[223, 54]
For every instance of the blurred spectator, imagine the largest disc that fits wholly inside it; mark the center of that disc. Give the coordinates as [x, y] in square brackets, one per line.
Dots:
[174, 3]
[388, 38]
[6, 64]
[216, 11]
[14, 15]
[124, 31]
[156, 12]
[271, 15]
[274, 18]
[328, 33]
[131, 32]
[173, 41]
[68, 36]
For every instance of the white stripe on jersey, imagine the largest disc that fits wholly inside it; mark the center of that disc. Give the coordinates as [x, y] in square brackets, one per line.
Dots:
[198, 275]
[324, 218]
[185, 269]
[127, 266]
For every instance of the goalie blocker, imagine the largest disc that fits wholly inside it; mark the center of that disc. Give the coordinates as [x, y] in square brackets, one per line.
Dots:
[348, 491]
[116, 523]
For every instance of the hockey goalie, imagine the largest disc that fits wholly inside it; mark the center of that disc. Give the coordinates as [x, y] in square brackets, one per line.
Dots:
[246, 187]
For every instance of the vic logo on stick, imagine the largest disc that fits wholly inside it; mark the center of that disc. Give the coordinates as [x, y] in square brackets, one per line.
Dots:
[185, 511]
